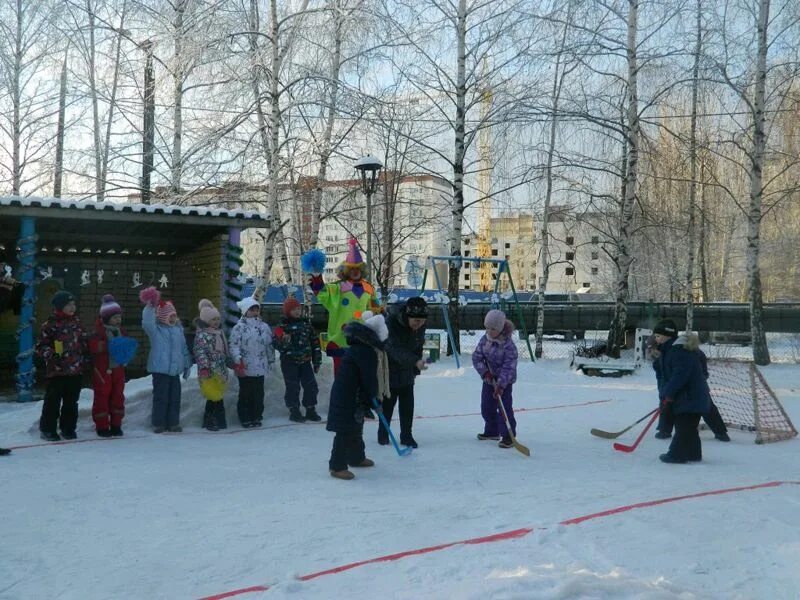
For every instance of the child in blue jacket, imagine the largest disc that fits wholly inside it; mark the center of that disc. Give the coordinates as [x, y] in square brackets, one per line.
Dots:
[169, 357]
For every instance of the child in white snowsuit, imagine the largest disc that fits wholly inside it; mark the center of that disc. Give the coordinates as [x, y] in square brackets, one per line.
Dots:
[252, 355]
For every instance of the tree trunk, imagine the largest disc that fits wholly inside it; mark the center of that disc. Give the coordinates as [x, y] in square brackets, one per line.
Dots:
[548, 195]
[701, 246]
[616, 334]
[113, 100]
[454, 269]
[98, 144]
[58, 174]
[760, 349]
[690, 230]
[16, 99]
[148, 128]
[177, 99]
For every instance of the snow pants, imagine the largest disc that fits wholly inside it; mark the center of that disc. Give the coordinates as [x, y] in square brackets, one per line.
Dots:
[494, 423]
[60, 404]
[348, 449]
[108, 408]
[686, 442]
[166, 400]
[713, 419]
[250, 406]
[295, 375]
[214, 415]
[405, 396]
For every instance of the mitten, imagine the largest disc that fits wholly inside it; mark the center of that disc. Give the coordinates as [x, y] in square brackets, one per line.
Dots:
[487, 377]
[278, 332]
[316, 369]
[240, 368]
[203, 374]
[150, 296]
[665, 402]
[186, 372]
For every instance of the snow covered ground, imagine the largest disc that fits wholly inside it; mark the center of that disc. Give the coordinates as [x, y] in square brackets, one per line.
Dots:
[198, 514]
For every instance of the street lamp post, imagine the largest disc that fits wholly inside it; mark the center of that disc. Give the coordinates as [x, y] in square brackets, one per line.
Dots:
[370, 168]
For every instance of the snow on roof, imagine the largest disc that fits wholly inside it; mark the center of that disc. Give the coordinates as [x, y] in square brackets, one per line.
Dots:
[169, 209]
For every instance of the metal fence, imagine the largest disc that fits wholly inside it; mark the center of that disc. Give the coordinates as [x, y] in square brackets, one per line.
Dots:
[783, 347]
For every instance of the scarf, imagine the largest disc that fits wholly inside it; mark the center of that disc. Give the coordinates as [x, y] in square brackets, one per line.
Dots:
[383, 374]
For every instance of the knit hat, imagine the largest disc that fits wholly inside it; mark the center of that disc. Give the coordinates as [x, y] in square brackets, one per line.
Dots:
[109, 308]
[666, 327]
[246, 304]
[377, 324]
[164, 310]
[289, 305]
[417, 308]
[207, 310]
[61, 298]
[495, 319]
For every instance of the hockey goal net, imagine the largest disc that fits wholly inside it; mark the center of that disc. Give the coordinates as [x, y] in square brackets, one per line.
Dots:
[746, 402]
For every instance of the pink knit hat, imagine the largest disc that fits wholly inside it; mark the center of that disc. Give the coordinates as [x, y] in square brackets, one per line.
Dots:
[495, 319]
[109, 308]
[164, 310]
[207, 310]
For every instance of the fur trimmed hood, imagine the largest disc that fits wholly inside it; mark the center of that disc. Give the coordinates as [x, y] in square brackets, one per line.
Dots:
[690, 341]
[357, 333]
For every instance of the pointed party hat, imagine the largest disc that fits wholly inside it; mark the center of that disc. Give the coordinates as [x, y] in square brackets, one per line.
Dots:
[353, 258]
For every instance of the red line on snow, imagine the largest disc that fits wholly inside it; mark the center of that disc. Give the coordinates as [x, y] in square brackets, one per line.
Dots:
[497, 537]
[231, 594]
[508, 535]
[519, 410]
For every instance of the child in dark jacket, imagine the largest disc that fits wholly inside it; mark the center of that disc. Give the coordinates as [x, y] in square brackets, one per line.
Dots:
[666, 420]
[301, 358]
[495, 359]
[684, 392]
[362, 376]
[108, 377]
[62, 346]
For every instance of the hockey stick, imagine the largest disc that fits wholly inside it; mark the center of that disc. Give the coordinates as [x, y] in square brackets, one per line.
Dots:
[406, 450]
[612, 435]
[517, 446]
[631, 448]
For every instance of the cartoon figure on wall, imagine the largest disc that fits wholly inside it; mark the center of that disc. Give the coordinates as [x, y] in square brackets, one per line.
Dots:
[345, 300]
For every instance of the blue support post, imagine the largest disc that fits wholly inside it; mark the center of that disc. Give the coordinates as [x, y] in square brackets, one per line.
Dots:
[27, 264]
[444, 312]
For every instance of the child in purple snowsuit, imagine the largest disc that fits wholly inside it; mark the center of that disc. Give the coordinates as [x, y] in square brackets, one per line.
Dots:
[495, 359]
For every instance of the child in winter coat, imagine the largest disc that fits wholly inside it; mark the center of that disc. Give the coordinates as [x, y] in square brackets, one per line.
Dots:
[62, 346]
[169, 357]
[683, 391]
[252, 355]
[301, 357]
[362, 376]
[668, 332]
[108, 377]
[211, 355]
[495, 359]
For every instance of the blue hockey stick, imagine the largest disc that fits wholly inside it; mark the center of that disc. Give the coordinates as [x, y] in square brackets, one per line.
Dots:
[406, 450]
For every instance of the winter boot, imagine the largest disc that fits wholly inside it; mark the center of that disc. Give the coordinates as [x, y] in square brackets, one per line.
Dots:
[505, 442]
[368, 414]
[222, 420]
[723, 437]
[367, 462]
[175, 429]
[50, 436]
[383, 437]
[296, 416]
[104, 433]
[663, 435]
[4, 451]
[342, 474]
[256, 423]
[408, 440]
[69, 435]
[486, 436]
[116, 431]
[159, 429]
[311, 415]
[667, 458]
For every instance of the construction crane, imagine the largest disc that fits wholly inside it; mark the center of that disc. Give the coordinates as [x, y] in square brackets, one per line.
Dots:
[484, 249]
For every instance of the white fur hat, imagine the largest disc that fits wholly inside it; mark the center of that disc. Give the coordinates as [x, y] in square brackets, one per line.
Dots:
[376, 323]
[246, 304]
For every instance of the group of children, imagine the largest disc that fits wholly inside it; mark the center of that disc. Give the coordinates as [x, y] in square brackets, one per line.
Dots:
[68, 351]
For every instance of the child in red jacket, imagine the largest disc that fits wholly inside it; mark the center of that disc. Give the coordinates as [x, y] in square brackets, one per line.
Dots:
[108, 377]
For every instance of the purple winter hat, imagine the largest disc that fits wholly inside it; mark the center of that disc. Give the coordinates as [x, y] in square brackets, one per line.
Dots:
[495, 319]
